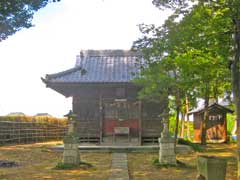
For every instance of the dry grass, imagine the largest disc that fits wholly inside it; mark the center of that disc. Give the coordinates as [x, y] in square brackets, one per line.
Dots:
[38, 160]
[141, 167]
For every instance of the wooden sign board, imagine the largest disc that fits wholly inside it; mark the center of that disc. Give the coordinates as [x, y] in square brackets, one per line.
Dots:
[121, 130]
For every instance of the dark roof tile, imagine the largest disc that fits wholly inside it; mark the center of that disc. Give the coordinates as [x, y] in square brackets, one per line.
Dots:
[211, 106]
[103, 66]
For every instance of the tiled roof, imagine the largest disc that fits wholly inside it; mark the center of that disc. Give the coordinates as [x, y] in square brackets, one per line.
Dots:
[101, 66]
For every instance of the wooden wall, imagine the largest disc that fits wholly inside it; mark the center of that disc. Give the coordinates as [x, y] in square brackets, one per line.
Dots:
[96, 105]
[216, 126]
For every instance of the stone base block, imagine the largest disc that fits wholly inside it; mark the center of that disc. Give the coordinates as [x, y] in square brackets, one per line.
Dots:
[211, 167]
[71, 154]
[167, 153]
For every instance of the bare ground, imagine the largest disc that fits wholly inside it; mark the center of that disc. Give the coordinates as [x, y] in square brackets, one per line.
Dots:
[36, 162]
[141, 167]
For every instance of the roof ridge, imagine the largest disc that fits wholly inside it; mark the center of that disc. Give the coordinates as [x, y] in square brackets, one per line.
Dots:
[101, 55]
[109, 53]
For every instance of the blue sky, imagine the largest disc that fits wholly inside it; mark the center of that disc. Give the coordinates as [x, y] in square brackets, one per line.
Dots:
[61, 30]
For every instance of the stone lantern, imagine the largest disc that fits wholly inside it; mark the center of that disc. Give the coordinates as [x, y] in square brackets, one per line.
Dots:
[167, 153]
[71, 153]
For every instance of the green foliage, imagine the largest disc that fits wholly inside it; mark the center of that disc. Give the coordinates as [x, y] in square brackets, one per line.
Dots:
[172, 125]
[219, 29]
[196, 147]
[18, 14]
[187, 56]
[231, 118]
[64, 166]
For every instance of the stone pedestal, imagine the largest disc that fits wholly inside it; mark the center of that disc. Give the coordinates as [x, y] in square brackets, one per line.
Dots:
[211, 167]
[167, 153]
[71, 153]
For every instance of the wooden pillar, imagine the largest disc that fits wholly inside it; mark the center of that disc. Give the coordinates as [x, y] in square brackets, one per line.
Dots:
[140, 122]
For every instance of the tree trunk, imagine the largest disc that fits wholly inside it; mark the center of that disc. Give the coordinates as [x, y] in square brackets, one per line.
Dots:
[177, 123]
[188, 123]
[182, 124]
[215, 92]
[177, 117]
[205, 116]
[236, 84]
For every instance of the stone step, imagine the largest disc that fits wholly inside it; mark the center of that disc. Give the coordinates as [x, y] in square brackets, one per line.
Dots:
[181, 149]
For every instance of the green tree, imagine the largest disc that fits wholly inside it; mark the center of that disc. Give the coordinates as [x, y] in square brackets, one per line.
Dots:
[232, 7]
[18, 14]
[227, 11]
[195, 50]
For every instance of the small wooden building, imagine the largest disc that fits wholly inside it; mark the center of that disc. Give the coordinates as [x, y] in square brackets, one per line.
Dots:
[216, 125]
[104, 96]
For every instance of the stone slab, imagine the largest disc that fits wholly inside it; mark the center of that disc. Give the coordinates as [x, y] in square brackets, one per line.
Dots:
[119, 167]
